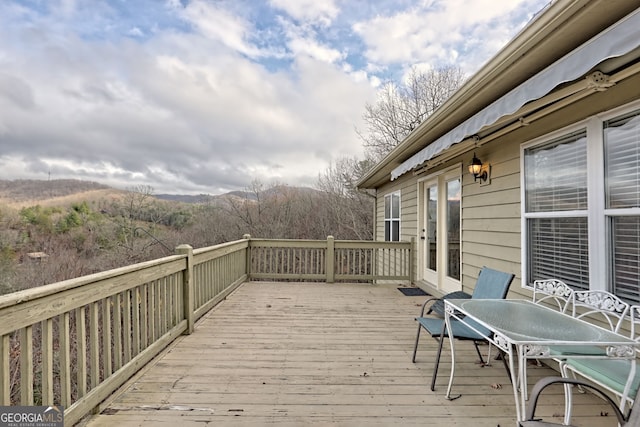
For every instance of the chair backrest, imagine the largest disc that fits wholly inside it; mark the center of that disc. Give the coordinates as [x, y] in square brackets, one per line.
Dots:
[553, 291]
[602, 305]
[492, 284]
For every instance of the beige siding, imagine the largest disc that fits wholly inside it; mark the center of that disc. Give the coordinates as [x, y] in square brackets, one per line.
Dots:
[408, 209]
[491, 215]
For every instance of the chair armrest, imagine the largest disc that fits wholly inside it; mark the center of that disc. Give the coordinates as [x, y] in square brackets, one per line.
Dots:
[424, 305]
[438, 306]
[544, 382]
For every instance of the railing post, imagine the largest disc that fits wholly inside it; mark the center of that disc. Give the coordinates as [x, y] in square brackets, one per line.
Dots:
[412, 264]
[187, 287]
[330, 260]
[247, 271]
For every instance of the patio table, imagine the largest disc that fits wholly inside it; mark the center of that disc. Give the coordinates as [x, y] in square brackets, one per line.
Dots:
[526, 330]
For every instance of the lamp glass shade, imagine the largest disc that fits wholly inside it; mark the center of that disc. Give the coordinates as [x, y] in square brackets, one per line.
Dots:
[476, 166]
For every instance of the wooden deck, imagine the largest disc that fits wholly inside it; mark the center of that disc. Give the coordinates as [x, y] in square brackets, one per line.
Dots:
[295, 354]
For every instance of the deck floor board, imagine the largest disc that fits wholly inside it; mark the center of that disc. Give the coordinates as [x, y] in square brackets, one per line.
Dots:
[296, 354]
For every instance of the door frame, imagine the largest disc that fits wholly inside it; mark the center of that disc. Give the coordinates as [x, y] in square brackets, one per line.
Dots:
[438, 278]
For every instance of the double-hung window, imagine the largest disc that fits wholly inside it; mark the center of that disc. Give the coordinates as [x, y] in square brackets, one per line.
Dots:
[392, 217]
[581, 206]
[621, 138]
[556, 210]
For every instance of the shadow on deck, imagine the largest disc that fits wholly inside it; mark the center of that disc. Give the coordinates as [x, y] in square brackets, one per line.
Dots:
[293, 354]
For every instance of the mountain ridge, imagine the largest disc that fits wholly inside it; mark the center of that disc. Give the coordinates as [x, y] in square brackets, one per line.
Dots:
[28, 192]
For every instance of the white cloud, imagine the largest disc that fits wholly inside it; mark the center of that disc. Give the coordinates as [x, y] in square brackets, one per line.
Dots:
[220, 25]
[136, 32]
[322, 12]
[300, 46]
[441, 31]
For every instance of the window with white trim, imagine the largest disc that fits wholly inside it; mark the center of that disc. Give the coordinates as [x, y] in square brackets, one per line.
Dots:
[392, 217]
[621, 138]
[572, 231]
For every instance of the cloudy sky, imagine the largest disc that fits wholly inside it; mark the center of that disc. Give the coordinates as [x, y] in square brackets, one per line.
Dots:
[205, 96]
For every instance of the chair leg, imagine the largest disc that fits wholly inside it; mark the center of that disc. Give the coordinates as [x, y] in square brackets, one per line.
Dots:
[568, 395]
[475, 344]
[503, 356]
[437, 364]
[415, 348]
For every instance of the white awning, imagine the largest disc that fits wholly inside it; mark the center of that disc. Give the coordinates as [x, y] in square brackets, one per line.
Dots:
[617, 40]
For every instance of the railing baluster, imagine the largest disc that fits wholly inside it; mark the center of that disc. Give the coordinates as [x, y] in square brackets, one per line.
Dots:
[47, 362]
[177, 298]
[135, 322]
[144, 311]
[64, 352]
[94, 341]
[106, 337]
[126, 332]
[118, 332]
[157, 316]
[165, 309]
[152, 311]
[5, 370]
[26, 366]
[81, 351]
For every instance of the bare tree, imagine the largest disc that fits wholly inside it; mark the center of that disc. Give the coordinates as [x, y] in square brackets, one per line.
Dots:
[400, 108]
[136, 219]
[348, 213]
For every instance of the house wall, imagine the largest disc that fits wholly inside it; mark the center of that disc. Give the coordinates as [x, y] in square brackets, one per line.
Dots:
[491, 221]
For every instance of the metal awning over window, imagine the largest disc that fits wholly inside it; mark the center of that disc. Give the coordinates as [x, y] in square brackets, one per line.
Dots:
[615, 41]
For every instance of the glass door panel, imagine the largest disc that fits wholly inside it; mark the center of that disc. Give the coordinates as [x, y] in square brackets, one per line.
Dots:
[453, 229]
[431, 246]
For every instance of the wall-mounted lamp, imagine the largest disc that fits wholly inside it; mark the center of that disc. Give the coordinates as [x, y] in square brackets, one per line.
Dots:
[478, 170]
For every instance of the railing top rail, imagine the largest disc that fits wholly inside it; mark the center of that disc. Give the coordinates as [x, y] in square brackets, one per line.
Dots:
[276, 243]
[371, 244]
[14, 298]
[314, 243]
[220, 246]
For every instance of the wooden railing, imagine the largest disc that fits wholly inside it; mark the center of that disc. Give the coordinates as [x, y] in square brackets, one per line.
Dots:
[73, 343]
[330, 260]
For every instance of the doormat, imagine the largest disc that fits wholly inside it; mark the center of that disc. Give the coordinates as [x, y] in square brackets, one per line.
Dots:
[412, 292]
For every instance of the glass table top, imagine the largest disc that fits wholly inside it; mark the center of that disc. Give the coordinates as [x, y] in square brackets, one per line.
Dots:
[523, 321]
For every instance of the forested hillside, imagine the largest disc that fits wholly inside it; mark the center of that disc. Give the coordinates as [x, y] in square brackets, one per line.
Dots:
[56, 230]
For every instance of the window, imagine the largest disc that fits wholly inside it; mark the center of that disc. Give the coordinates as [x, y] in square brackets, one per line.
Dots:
[621, 137]
[556, 210]
[572, 231]
[392, 217]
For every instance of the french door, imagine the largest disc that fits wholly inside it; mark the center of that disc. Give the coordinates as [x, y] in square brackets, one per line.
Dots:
[440, 233]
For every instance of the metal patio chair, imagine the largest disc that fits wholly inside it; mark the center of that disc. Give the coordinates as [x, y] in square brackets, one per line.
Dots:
[491, 284]
[611, 375]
